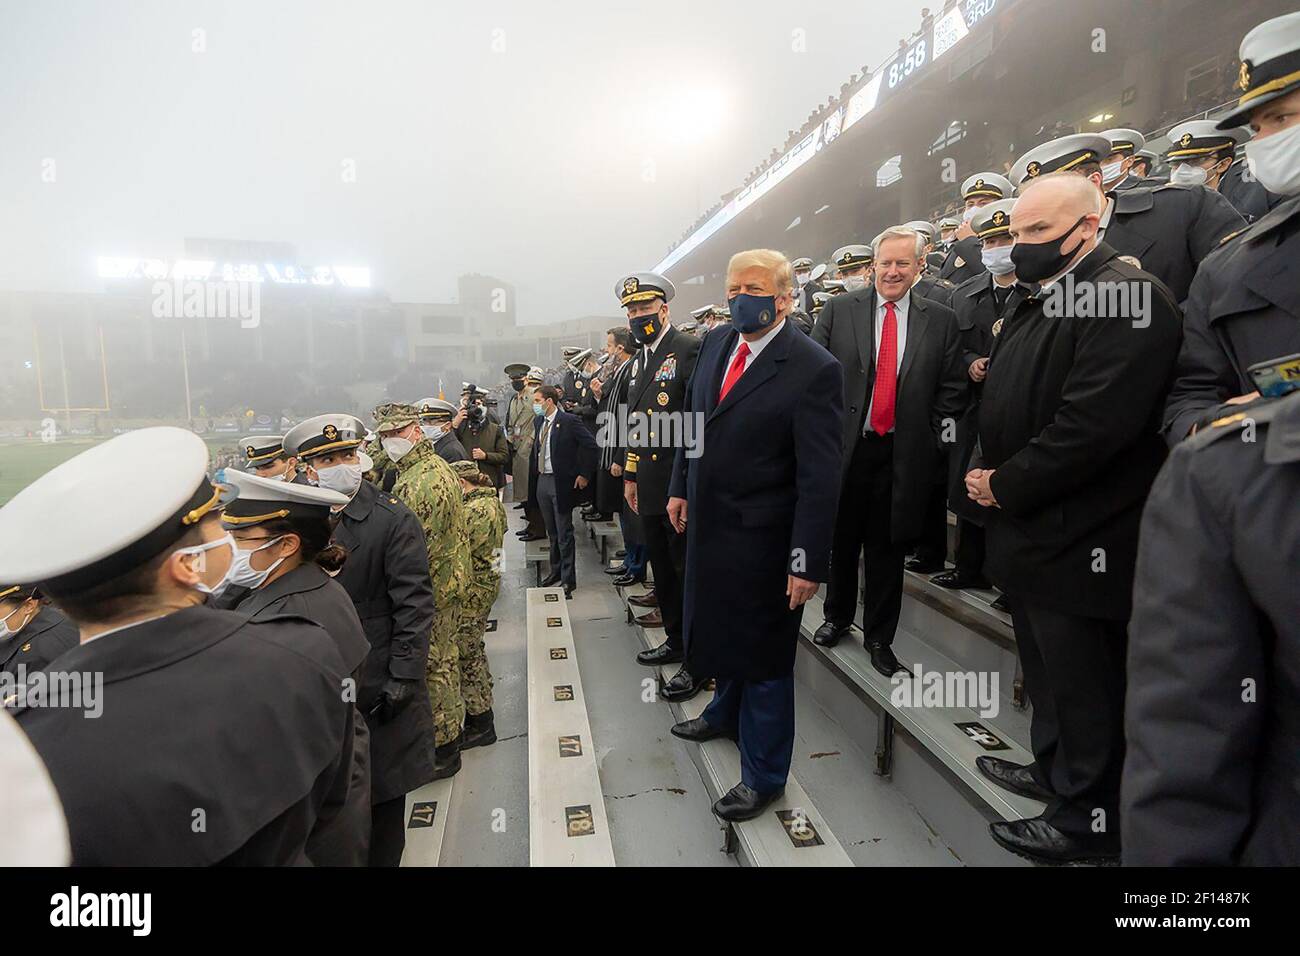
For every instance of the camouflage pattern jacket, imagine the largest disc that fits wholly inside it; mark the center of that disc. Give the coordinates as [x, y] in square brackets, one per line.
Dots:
[486, 520]
[427, 485]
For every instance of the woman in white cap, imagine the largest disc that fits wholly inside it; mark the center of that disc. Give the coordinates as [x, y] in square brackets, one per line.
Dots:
[286, 559]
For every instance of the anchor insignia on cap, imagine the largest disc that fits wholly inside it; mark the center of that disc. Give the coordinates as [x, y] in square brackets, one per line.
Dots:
[1243, 78]
[1033, 169]
[330, 433]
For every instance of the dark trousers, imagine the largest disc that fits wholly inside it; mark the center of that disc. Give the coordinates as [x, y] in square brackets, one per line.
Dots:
[667, 551]
[633, 550]
[388, 832]
[970, 548]
[762, 713]
[533, 515]
[1074, 676]
[559, 528]
[932, 546]
[863, 529]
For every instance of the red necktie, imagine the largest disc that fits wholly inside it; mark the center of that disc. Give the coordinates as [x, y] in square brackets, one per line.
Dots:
[733, 373]
[886, 388]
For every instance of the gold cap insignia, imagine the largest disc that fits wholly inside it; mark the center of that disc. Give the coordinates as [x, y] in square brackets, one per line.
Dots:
[251, 451]
[1243, 77]
[999, 218]
[630, 285]
[1186, 140]
[979, 184]
[330, 432]
[1033, 169]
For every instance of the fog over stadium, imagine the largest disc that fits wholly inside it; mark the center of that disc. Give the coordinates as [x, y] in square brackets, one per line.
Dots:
[552, 146]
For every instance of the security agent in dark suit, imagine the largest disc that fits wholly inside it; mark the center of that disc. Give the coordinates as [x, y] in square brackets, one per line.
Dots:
[753, 506]
[1243, 305]
[561, 464]
[1169, 229]
[248, 717]
[657, 384]
[1214, 646]
[903, 386]
[964, 260]
[979, 304]
[1068, 431]
[32, 632]
[387, 578]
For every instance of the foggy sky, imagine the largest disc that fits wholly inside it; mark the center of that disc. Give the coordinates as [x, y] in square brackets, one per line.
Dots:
[527, 162]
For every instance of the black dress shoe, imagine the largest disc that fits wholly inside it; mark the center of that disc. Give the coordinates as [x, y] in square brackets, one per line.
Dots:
[829, 634]
[618, 571]
[1001, 604]
[568, 592]
[883, 659]
[663, 654]
[551, 580]
[681, 686]
[699, 730]
[627, 580]
[532, 537]
[620, 553]
[744, 803]
[1036, 839]
[597, 516]
[519, 507]
[957, 580]
[1013, 777]
[922, 565]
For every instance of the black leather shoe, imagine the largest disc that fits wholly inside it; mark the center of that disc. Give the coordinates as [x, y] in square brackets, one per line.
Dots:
[744, 803]
[1036, 839]
[829, 634]
[480, 730]
[1013, 777]
[446, 759]
[921, 565]
[519, 507]
[568, 592]
[551, 580]
[699, 730]
[618, 570]
[681, 686]
[1001, 604]
[596, 516]
[627, 581]
[957, 580]
[883, 659]
[663, 654]
[621, 553]
[532, 537]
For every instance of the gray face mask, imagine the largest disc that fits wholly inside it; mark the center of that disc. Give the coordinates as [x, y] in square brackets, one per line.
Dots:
[854, 283]
[1185, 174]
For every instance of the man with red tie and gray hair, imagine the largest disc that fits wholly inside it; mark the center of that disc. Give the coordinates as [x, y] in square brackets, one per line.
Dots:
[904, 389]
[755, 499]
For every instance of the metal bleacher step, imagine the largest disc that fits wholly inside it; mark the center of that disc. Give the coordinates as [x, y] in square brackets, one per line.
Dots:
[566, 807]
[426, 822]
[790, 833]
[605, 533]
[536, 554]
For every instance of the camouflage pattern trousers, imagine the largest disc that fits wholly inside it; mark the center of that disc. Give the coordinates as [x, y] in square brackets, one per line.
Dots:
[442, 676]
[475, 675]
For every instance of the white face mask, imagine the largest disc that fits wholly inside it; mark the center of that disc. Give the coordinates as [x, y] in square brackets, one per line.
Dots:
[1275, 161]
[1112, 172]
[854, 283]
[396, 448]
[5, 630]
[998, 260]
[345, 478]
[1185, 174]
[243, 574]
[216, 589]
[802, 278]
[432, 432]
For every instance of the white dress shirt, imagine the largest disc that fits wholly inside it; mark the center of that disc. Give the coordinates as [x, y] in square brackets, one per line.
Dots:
[901, 308]
[754, 348]
[544, 456]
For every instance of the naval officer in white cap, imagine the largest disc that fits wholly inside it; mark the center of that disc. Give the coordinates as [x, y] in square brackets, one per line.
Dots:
[217, 739]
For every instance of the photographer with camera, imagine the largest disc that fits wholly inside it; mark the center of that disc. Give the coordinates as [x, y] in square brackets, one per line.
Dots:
[482, 437]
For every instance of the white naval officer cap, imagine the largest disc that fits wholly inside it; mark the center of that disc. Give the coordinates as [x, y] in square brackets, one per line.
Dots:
[1124, 140]
[323, 434]
[1059, 155]
[1270, 66]
[986, 185]
[261, 500]
[99, 515]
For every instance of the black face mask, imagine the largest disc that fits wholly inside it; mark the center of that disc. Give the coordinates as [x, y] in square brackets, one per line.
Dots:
[645, 328]
[518, 385]
[1036, 261]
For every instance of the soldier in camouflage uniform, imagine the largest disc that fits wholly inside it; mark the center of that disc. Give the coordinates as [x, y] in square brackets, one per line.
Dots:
[426, 484]
[485, 520]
